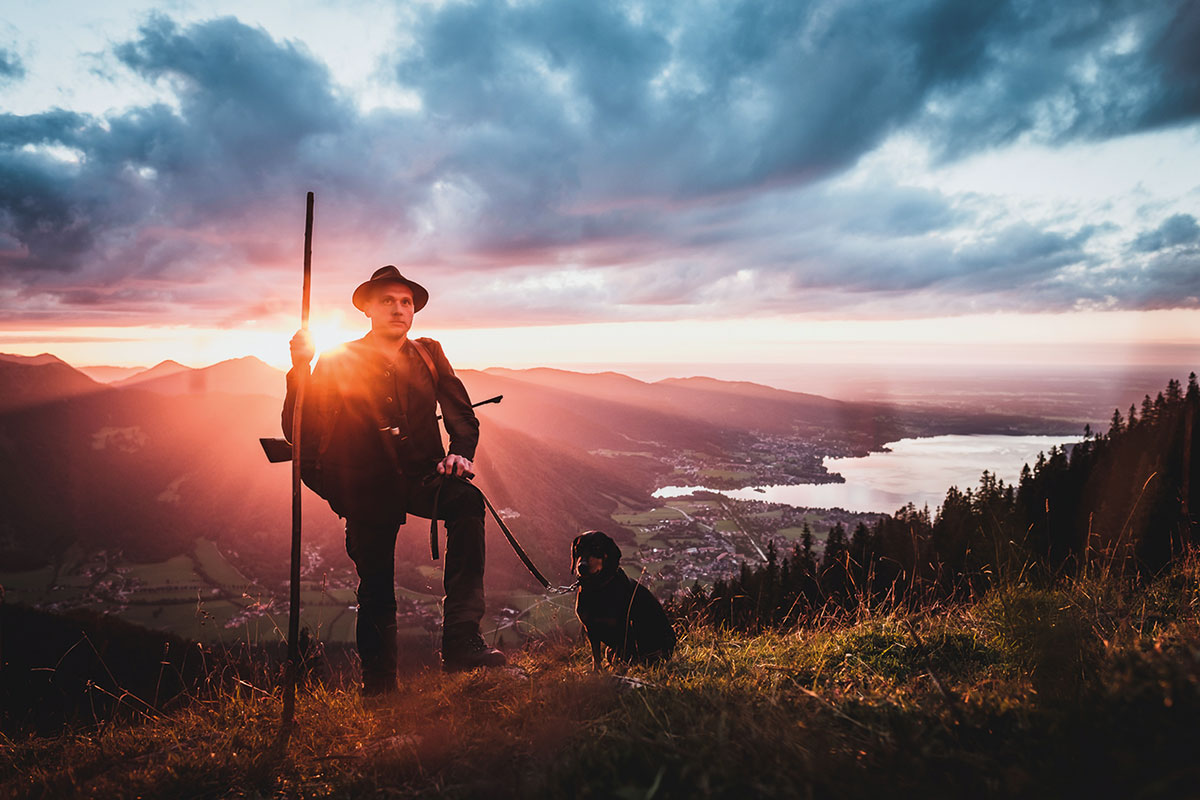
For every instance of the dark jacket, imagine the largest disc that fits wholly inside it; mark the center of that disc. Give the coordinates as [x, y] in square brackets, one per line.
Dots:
[370, 423]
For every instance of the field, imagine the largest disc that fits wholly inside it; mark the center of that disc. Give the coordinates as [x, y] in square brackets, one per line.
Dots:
[203, 597]
[705, 537]
[200, 596]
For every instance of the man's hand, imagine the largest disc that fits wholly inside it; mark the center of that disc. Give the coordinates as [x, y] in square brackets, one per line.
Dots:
[302, 348]
[456, 465]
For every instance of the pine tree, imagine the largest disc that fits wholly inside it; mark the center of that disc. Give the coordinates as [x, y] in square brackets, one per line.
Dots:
[833, 563]
[771, 592]
[806, 542]
[859, 550]
[835, 545]
[1174, 392]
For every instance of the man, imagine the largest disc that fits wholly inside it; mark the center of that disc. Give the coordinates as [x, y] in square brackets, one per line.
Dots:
[372, 448]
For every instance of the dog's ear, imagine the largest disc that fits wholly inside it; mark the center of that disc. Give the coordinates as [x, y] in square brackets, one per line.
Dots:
[614, 552]
[575, 548]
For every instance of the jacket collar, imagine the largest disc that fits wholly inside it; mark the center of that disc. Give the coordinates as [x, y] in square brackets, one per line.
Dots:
[366, 347]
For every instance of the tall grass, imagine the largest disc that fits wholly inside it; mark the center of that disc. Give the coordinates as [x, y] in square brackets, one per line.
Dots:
[1083, 687]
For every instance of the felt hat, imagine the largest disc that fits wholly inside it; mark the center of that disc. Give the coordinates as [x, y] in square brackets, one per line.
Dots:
[385, 276]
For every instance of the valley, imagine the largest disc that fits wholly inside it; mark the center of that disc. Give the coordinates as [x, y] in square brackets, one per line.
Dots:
[150, 499]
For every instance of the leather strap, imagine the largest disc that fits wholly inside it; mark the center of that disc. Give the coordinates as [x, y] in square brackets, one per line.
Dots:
[512, 540]
[423, 352]
[433, 531]
[516, 546]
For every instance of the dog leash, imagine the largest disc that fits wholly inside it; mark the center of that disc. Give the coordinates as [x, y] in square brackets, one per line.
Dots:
[512, 540]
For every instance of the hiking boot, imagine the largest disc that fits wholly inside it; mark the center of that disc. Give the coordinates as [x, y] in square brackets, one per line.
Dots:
[469, 651]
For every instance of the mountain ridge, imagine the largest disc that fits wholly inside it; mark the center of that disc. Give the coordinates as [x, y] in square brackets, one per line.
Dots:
[38, 360]
[162, 369]
[34, 382]
[106, 373]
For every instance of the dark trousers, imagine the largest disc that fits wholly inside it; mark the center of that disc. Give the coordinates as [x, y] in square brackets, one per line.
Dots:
[371, 544]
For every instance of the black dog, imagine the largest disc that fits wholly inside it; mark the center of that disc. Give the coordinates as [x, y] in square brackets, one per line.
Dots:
[619, 615]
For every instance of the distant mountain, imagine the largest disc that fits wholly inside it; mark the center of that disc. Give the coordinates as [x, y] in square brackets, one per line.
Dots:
[743, 406]
[589, 412]
[31, 361]
[719, 408]
[770, 410]
[744, 388]
[107, 374]
[26, 382]
[139, 471]
[609, 385]
[247, 375]
[159, 370]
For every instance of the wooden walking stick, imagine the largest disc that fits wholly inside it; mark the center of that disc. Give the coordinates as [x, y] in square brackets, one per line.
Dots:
[289, 686]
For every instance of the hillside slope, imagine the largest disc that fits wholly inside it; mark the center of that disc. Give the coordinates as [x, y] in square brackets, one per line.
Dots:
[34, 382]
[1084, 690]
[151, 467]
[247, 375]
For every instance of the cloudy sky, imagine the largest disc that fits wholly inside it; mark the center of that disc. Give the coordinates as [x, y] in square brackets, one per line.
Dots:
[606, 182]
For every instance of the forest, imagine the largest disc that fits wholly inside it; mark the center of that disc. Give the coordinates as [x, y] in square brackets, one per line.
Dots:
[1119, 504]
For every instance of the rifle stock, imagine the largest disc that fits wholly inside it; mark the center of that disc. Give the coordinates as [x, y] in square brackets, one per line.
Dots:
[280, 450]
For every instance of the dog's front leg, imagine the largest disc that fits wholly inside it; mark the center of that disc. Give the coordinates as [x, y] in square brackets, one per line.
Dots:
[597, 646]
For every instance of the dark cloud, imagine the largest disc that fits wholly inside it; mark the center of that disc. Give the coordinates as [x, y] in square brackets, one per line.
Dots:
[679, 103]
[46, 225]
[827, 262]
[1010, 259]
[11, 67]
[1180, 229]
[886, 210]
[705, 110]
[250, 100]
[679, 153]
[52, 127]
[1174, 50]
[1073, 71]
[1024, 248]
[1172, 281]
[155, 195]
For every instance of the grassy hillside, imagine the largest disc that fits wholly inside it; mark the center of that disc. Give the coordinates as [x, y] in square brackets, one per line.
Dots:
[1079, 688]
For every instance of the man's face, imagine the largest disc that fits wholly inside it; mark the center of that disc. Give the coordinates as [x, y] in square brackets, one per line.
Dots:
[391, 311]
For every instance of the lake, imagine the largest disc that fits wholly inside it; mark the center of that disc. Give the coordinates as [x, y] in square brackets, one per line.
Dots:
[913, 470]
